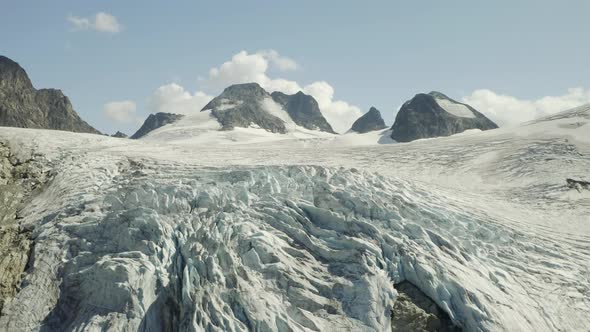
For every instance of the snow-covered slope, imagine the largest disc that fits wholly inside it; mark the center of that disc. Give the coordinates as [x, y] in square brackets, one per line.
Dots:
[203, 129]
[456, 109]
[305, 234]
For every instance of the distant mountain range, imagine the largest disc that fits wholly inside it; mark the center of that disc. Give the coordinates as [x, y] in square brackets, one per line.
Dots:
[241, 105]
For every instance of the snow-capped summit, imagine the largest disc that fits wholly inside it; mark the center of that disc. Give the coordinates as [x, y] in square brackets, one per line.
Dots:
[369, 121]
[433, 115]
[242, 105]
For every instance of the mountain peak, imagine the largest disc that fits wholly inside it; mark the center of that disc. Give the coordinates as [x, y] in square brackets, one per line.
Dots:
[369, 121]
[434, 115]
[155, 121]
[437, 94]
[13, 76]
[24, 106]
[304, 110]
[242, 105]
[245, 89]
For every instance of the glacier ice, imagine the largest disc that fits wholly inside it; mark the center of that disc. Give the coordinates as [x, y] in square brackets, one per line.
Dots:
[131, 235]
[255, 248]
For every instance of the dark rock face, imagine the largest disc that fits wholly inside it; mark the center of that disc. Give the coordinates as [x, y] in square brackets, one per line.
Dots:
[241, 105]
[369, 121]
[155, 121]
[414, 311]
[424, 117]
[304, 110]
[21, 105]
[119, 134]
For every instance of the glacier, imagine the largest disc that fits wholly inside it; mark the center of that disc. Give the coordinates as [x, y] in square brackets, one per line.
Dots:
[304, 234]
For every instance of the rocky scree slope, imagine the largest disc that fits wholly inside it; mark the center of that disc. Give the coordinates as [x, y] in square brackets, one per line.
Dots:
[21, 105]
[435, 115]
[369, 121]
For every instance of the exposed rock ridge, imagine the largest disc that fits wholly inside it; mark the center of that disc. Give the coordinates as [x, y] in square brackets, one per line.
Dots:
[155, 121]
[21, 105]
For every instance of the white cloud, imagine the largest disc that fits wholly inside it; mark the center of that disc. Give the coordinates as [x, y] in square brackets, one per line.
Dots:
[245, 68]
[283, 63]
[122, 111]
[173, 98]
[508, 110]
[102, 22]
[339, 113]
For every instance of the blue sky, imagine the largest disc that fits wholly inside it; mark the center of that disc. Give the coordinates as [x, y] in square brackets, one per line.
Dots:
[501, 56]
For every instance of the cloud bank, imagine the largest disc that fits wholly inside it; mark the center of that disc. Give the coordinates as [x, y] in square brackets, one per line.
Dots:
[101, 22]
[122, 112]
[508, 110]
[246, 67]
[173, 98]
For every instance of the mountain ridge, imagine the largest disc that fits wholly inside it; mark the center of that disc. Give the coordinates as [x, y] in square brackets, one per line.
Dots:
[21, 105]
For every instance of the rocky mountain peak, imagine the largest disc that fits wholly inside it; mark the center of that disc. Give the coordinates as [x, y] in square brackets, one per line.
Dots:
[155, 121]
[244, 105]
[21, 105]
[434, 115]
[369, 121]
[250, 91]
[119, 134]
[439, 95]
[304, 110]
[13, 76]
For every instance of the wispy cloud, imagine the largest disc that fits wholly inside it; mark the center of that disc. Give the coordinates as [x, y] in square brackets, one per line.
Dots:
[101, 22]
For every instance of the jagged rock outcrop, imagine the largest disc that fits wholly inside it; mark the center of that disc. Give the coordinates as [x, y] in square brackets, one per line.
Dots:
[434, 115]
[21, 105]
[414, 311]
[304, 110]
[119, 134]
[155, 121]
[369, 121]
[243, 105]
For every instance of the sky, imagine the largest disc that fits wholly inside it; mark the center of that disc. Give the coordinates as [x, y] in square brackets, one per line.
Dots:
[118, 61]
